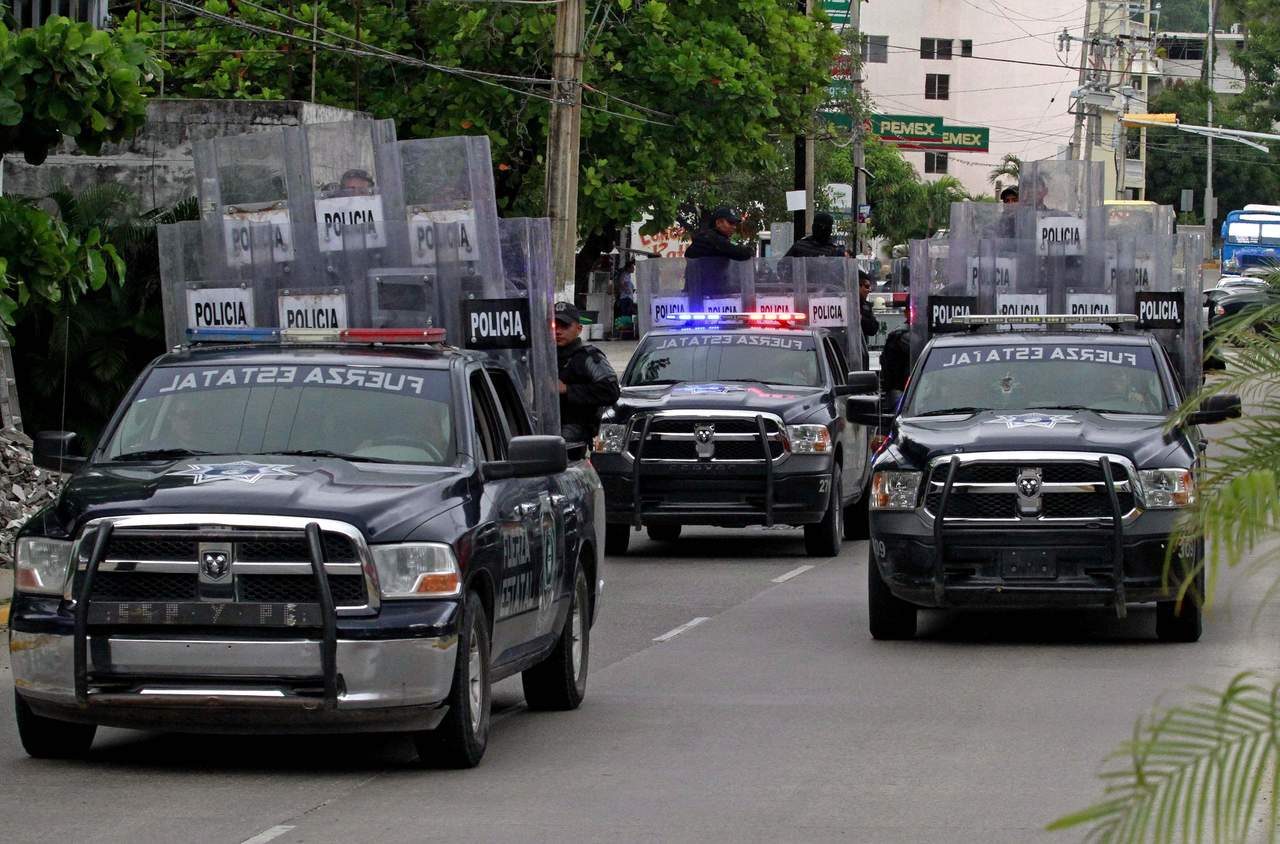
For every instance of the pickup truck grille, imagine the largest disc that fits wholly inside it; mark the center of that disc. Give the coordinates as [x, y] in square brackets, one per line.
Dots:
[732, 440]
[163, 565]
[1066, 490]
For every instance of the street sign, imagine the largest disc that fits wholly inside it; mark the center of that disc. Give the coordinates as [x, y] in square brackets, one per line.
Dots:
[840, 11]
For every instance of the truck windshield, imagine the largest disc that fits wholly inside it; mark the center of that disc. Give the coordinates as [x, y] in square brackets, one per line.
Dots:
[1081, 375]
[768, 357]
[368, 413]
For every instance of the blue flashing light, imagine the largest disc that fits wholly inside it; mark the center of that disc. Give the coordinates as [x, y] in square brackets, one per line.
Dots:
[752, 319]
[233, 335]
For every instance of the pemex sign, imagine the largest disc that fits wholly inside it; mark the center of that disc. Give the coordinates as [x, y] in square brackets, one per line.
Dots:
[929, 133]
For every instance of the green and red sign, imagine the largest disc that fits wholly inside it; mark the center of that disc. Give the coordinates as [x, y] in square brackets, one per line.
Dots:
[929, 133]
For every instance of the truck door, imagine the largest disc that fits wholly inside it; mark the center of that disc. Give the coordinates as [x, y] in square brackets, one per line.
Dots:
[514, 506]
[853, 437]
[557, 516]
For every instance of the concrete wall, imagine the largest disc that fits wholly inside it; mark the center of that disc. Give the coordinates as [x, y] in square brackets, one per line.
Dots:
[156, 163]
[1024, 105]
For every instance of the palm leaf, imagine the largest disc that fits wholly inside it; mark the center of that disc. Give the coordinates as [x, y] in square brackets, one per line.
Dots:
[1205, 770]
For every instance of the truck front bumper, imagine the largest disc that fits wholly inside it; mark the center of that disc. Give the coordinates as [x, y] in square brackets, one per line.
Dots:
[1026, 566]
[796, 492]
[207, 681]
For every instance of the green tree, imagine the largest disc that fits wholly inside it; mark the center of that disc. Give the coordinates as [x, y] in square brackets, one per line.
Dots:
[896, 194]
[936, 198]
[1209, 769]
[710, 82]
[1176, 160]
[1009, 170]
[1184, 15]
[1259, 60]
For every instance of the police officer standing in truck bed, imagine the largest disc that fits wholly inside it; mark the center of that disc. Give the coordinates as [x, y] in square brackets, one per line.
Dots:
[588, 383]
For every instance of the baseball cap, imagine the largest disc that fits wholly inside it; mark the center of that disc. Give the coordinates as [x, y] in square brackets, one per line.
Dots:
[726, 213]
[567, 312]
[1009, 191]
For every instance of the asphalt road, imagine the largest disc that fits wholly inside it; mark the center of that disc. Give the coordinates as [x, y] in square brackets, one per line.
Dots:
[775, 718]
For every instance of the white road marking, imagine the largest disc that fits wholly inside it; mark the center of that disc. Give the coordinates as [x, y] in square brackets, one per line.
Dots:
[266, 835]
[688, 625]
[783, 578]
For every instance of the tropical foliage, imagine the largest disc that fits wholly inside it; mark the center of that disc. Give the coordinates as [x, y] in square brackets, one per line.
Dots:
[1209, 770]
[70, 78]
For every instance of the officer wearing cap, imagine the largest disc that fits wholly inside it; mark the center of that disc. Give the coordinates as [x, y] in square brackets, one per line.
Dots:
[707, 272]
[588, 383]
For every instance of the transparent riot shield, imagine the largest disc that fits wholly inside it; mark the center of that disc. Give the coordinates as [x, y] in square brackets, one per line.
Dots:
[775, 286]
[450, 181]
[199, 289]
[936, 296]
[828, 297]
[349, 189]
[667, 286]
[526, 255]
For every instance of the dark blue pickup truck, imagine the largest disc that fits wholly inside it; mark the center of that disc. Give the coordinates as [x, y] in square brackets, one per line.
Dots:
[296, 537]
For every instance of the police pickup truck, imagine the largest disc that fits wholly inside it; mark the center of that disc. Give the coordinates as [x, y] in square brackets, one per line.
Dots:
[736, 420]
[1033, 469]
[285, 536]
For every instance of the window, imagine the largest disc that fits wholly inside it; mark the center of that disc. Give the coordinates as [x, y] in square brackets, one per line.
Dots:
[1191, 50]
[835, 360]
[935, 162]
[489, 442]
[966, 47]
[935, 48]
[937, 86]
[875, 48]
[512, 405]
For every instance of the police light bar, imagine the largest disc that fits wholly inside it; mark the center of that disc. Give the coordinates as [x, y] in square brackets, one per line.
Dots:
[316, 335]
[975, 320]
[750, 318]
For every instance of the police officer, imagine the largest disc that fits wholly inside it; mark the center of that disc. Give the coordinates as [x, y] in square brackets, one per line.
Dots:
[819, 244]
[870, 325]
[707, 272]
[588, 383]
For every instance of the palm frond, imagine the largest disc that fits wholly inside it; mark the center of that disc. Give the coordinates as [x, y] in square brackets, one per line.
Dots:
[1206, 770]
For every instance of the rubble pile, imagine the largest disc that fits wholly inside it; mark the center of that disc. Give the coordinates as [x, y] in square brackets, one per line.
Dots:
[24, 488]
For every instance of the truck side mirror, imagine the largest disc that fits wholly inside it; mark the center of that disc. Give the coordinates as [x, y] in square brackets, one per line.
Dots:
[1216, 409]
[529, 457]
[858, 383]
[865, 410]
[58, 451]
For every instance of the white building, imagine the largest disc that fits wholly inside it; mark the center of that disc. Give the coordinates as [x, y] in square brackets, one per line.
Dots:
[994, 64]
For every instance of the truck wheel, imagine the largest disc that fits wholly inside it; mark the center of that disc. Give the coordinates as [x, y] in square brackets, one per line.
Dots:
[664, 533]
[891, 617]
[824, 538]
[45, 738]
[460, 739]
[1174, 625]
[857, 517]
[616, 539]
[559, 682]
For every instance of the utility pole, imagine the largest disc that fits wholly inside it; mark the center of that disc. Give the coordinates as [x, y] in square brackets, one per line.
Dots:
[801, 220]
[562, 144]
[859, 135]
[1210, 211]
[1085, 42]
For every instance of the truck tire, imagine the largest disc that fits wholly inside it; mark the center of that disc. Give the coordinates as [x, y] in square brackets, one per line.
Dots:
[461, 738]
[664, 533]
[616, 539]
[45, 738]
[559, 682]
[891, 617]
[1178, 625]
[823, 539]
[857, 517]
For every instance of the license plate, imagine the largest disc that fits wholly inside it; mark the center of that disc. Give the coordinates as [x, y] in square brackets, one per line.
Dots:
[1018, 563]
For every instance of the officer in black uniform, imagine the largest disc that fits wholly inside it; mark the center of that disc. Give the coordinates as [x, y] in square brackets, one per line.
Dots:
[707, 273]
[588, 383]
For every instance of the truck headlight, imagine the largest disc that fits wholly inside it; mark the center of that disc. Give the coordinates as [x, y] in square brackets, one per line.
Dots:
[895, 490]
[809, 439]
[417, 570]
[1167, 489]
[612, 439]
[42, 565]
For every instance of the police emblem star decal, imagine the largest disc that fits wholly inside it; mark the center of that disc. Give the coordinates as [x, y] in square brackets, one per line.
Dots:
[1033, 420]
[245, 471]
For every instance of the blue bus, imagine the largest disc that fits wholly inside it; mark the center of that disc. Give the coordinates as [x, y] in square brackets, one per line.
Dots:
[1251, 238]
